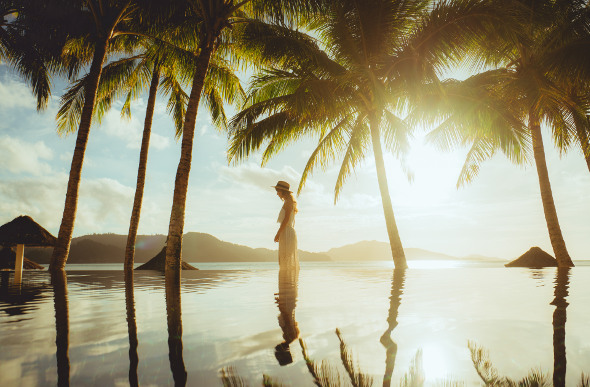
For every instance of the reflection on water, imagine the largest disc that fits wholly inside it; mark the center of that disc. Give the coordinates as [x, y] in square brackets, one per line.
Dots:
[287, 300]
[397, 285]
[131, 328]
[174, 317]
[18, 298]
[562, 279]
[59, 283]
[392, 327]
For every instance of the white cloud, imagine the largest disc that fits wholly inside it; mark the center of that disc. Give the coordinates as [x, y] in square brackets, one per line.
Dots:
[130, 131]
[104, 205]
[15, 94]
[251, 174]
[18, 156]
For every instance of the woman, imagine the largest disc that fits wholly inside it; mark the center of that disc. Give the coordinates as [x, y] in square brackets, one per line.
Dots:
[286, 235]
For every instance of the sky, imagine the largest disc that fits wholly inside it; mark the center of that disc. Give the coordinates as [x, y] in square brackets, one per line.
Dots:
[498, 215]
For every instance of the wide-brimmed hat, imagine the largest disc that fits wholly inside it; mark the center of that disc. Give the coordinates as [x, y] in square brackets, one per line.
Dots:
[282, 185]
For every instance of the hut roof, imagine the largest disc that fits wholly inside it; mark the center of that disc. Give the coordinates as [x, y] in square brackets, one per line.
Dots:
[8, 257]
[24, 230]
[159, 263]
[535, 257]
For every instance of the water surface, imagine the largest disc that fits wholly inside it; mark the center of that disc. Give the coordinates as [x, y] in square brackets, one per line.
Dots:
[92, 329]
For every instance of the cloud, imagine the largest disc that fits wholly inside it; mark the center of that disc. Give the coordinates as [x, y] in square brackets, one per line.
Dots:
[17, 156]
[251, 174]
[15, 94]
[130, 131]
[104, 205]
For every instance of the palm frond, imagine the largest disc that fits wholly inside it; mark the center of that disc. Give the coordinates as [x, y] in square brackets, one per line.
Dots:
[328, 148]
[357, 378]
[177, 100]
[230, 378]
[323, 374]
[359, 140]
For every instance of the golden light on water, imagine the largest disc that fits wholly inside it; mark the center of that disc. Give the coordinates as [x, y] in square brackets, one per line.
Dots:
[435, 362]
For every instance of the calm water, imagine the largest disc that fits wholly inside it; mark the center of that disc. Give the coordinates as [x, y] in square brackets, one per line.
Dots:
[90, 329]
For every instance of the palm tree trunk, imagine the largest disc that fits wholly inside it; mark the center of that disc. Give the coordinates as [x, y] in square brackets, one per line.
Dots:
[143, 157]
[64, 238]
[585, 144]
[557, 242]
[397, 250]
[176, 228]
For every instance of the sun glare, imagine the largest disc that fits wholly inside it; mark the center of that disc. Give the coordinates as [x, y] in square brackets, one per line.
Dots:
[435, 363]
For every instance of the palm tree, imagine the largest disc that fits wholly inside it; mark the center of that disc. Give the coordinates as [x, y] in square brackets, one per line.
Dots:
[158, 64]
[128, 77]
[31, 43]
[378, 55]
[103, 28]
[503, 108]
[217, 23]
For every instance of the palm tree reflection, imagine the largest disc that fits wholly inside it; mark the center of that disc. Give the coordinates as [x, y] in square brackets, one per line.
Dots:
[562, 279]
[287, 300]
[131, 328]
[397, 285]
[490, 375]
[173, 310]
[59, 283]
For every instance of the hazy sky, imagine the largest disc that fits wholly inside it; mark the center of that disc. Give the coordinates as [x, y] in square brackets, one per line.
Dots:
[499, 214]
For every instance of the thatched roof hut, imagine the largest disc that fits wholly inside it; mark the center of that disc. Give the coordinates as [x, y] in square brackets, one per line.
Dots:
[159, 263]
[23, 230]
[535, 257]
[8, 257]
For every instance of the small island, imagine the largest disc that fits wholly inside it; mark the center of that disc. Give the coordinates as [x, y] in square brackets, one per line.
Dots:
[534, 258]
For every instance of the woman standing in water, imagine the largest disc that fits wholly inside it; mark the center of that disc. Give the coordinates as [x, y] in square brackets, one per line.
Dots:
[286, 235]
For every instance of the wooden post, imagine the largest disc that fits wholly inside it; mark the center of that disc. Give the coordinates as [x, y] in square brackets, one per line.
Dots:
[18, 263]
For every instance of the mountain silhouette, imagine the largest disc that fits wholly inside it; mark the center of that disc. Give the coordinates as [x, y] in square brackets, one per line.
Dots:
[196, 247]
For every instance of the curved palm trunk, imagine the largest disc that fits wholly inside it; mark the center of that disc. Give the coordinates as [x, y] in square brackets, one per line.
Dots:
[64, 238]
[143, 157]
[557, 242]
[585, 144]
[176, 228]
[397, 250]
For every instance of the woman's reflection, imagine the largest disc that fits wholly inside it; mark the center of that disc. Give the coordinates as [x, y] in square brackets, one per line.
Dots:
[59, 283]
[173, 310]
[287, 300]
[397, 286]
[562, 279]
[131, 328]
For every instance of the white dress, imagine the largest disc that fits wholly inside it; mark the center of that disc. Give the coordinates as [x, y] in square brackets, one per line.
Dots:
[288, 243]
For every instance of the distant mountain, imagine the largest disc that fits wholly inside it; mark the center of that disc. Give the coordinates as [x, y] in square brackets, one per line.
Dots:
[381, 251]
[200, 247]
[196, 247]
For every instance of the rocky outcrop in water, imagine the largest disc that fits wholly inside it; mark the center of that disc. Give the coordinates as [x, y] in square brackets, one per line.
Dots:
[159, 263]
[535, 257]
